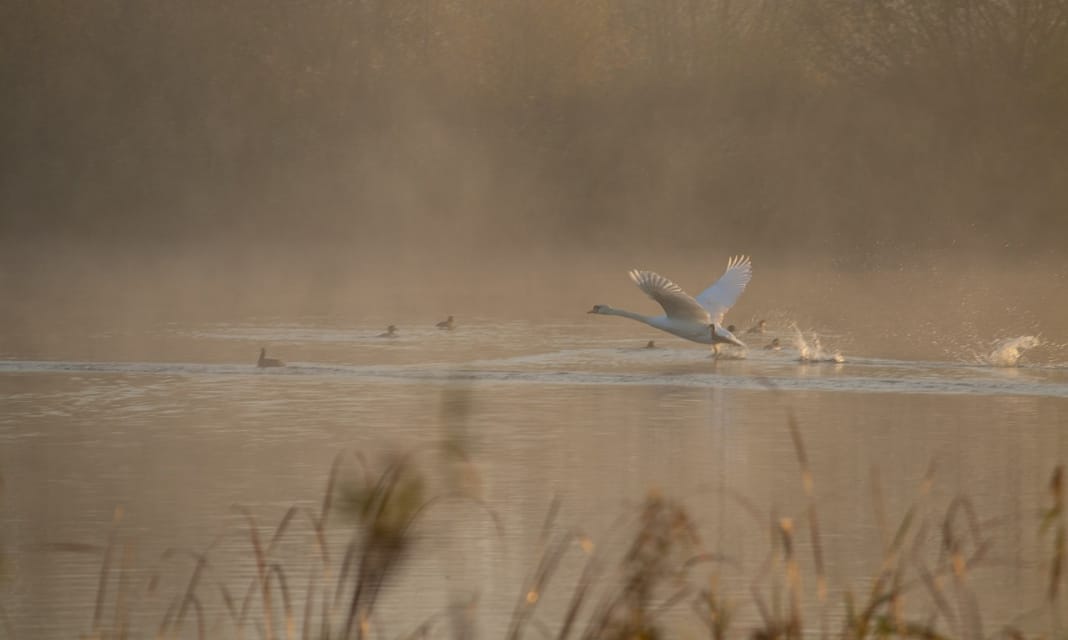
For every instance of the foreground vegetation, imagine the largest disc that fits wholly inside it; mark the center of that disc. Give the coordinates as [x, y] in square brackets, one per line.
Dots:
[659, 583]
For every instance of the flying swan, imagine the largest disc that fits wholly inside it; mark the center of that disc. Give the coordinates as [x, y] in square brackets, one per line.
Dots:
[698, 319]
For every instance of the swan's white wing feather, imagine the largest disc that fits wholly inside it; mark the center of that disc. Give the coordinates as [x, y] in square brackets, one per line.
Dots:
[721, 296]
[678, 305]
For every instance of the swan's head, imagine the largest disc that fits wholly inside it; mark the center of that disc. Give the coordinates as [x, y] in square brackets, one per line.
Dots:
[600, 308]
[732, 328]
[650, 345]
[762, 324]
[391, 328]
[263, 351]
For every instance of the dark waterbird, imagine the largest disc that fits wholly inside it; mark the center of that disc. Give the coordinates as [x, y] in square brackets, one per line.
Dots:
[264, 361]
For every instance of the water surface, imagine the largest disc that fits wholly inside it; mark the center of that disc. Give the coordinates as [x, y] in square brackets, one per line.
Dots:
[174, 424]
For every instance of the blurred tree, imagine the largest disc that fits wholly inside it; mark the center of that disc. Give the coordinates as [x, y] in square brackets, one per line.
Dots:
[850, 124]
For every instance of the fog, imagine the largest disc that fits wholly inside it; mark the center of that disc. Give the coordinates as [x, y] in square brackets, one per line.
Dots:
[420, 157]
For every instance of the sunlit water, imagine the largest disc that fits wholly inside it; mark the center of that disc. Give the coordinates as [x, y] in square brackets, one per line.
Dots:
[176, 426]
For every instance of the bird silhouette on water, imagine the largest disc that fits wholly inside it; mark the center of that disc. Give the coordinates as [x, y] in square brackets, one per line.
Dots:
[265, 362]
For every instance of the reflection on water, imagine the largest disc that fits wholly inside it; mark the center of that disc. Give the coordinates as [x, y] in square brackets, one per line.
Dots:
[585, 414]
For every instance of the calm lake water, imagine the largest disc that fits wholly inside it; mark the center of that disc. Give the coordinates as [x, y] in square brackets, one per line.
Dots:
[175, 425]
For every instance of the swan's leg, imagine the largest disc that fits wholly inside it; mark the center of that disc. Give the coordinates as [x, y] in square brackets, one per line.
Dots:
[715, 350]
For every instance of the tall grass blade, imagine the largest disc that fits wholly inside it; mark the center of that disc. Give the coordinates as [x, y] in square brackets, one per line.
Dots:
[261, 569]
[105, 570]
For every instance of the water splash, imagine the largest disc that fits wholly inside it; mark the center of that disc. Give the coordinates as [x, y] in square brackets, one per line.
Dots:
[1007, 352]
[731, 352]
[812, 351]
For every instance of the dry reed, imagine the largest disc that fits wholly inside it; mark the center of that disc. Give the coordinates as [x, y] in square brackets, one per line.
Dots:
[926, 561]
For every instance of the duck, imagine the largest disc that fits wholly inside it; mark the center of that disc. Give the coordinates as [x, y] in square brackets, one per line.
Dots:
[696, 319]
[759, 327]
[391, 332]
[264, 361]
[774, 345]
[447, 323]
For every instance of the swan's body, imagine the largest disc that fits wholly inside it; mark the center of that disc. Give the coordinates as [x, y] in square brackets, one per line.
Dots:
[391, 332]
[445, 324]
[695, 331]
[264, 361]
[696, 319]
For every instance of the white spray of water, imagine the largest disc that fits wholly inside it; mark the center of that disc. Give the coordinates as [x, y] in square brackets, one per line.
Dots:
[731, 352]
[1007, 352]
[812, 351]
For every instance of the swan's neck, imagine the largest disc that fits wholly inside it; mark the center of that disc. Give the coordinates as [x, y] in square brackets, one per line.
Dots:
[629, 314]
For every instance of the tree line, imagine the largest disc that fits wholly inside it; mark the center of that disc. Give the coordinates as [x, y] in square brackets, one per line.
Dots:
[837, 124]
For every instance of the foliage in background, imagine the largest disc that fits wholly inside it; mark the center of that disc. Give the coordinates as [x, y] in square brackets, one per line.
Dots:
[853, 125]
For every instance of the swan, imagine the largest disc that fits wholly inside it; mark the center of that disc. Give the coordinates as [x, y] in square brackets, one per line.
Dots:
[774, 345]
[697, 319]
[391, 332]
[761, 327]
[445, 324]
[264, 361]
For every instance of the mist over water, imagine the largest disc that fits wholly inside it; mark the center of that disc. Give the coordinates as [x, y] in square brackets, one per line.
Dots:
[411, 131]
[226, 160]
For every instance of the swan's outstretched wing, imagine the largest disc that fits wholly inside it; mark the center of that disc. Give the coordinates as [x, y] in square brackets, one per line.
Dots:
[677, 303]
[721, 296]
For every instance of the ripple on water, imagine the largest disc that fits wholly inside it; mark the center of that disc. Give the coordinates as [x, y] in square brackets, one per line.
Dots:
[662, 367]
